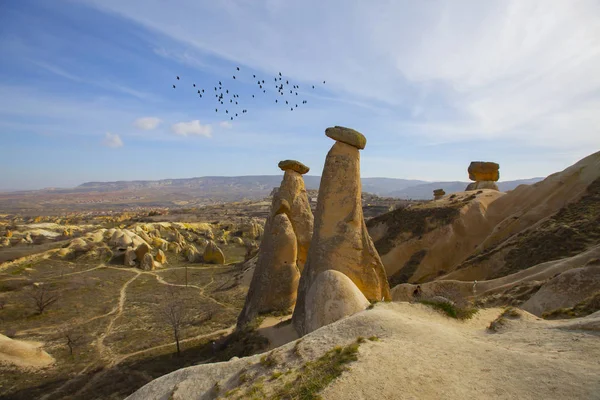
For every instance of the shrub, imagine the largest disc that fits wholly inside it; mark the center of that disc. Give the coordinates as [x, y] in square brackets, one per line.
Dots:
[451, 310]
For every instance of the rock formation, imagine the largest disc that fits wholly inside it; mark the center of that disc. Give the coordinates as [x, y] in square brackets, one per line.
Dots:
[274, 284]
[438, 194]
[340, 240]
[130, 257]
[292, 199]
[191, 254]
[147, 263]
[161, 257]
[213, 254]
[283, 250]
[141, 251]
[485, 174]
[331, 297]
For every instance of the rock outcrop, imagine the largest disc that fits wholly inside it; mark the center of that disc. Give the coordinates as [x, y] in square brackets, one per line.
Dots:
[274, 284]
[147, 263]
[291, 199]
[191, 254]
[565, 290]
[438, 194]
[340, 239]
[485, 175]
[161, 257]
[283, 250]
[130, 257]
[484, 171]
[141, 251]
[331, 297]
[482, 185]
[213, 254]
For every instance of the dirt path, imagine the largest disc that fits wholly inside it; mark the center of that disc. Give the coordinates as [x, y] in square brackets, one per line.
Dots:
[200, 288]
[106, 356]
[225, 331]
[104, 351]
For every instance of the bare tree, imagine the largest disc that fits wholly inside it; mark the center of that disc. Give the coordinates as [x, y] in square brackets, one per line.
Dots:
[72, 338]
[42, 297]
[175, 314]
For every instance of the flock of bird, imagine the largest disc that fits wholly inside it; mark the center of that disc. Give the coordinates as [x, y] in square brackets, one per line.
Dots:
[230, 103]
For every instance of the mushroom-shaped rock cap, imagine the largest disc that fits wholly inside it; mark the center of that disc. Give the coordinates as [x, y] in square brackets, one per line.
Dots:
[348, 136]
[484, 171]
[294, 166]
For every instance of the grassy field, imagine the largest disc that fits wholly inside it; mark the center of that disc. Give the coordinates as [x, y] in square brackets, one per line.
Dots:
[115, 316]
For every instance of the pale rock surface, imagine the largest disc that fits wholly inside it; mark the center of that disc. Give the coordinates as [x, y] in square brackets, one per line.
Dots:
[213, 254]
[331, 297]
[482, 185]
[130, 257]
[565, 290]
[340, 240]
[78, 244]
[147, 263]
[420, 354]
[275, 281]
[23, 354]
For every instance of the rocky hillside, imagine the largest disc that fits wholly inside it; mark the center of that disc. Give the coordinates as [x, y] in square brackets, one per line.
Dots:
[487, 234]
[406, 351]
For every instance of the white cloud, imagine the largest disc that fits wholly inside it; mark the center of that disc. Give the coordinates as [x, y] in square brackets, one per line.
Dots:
[226, 124]
[112, 140]
[497, 69]
[147, 123]
[191, 128]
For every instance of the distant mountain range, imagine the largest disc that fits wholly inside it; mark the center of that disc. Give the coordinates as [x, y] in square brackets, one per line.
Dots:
[261, 185]
[425, 190]
[193, 192]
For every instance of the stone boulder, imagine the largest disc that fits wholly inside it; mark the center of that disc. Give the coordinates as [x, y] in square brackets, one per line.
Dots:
[175, 248]
[293, 165]
[438, 194]
[275, 281]
[141, 251]
[191, 254]
[130, 257]
[147, 263]
[484, 171]
[160, 244]
[161, 257]
[331, 297]
[5, 242]
[340, 240]
[79, 245]
[213, 254]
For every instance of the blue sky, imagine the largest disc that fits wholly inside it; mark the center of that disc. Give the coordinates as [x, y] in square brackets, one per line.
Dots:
[86, 87]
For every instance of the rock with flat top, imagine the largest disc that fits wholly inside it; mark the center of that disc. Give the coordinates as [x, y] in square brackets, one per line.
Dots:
[340, 240]
[348, 136]
[484, 171]
[294, 166]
